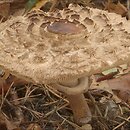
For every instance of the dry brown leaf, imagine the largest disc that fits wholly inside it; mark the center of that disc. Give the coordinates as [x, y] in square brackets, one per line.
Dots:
[105, 86]
[11, 80]
[16, 81]
[101, 77]
[121, 85]
[4, 9]
[3, 86]
[116, 8]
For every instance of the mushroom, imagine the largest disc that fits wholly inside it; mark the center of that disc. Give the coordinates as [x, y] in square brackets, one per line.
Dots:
[63, 49]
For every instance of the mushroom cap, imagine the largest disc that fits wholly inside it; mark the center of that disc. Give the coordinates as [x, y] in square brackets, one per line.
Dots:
[72, 43]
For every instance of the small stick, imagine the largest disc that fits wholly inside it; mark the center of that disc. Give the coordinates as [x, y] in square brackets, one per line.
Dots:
[124, 119]
[121, 124]
[94, 103]
[4, 97]
[50, 89]
[71, 123]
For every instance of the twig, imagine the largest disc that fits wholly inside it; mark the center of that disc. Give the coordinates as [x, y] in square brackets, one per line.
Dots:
[37, 114]
[121, 111]
[61, 124]
[29, 92]
[94, 103]
[53, 111]
[53, 92]
[4, 97]
[124, 119]
[98, 110]
[71, 123]
[121, 124]
[23, 98]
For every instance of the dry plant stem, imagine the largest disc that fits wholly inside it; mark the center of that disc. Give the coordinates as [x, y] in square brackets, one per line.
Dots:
[121, 124]
[78, 104]
[94, 103]
[71, 123]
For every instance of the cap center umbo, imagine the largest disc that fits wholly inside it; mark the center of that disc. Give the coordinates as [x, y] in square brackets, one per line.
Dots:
[64, 27]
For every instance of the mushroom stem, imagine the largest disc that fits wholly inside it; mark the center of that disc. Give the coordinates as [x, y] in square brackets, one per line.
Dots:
[74, 90]
[81, 111]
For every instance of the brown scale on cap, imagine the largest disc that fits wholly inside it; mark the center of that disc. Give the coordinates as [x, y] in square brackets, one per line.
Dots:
[63, 48]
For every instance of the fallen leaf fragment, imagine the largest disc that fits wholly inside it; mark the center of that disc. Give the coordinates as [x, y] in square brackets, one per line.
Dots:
[124, 66]
[113, 70]
[120, 85]
[116, 8]
[122, 69]
[101, 77]
[3, 86]
[10, 81]
[4, 10]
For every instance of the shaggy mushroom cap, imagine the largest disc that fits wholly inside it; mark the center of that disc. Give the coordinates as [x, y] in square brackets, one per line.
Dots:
[72, 43]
